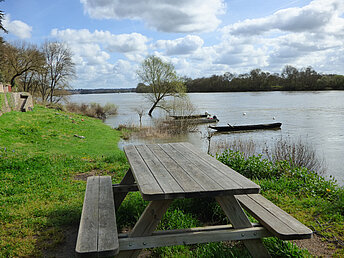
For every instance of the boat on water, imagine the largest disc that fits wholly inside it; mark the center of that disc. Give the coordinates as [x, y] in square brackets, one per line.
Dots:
[202, 120]
[230, 128]
[194, 120]
[190, 116]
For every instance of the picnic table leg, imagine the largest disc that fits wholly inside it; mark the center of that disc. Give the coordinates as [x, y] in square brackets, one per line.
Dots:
[127, 180]
[147, 223]
[238, 219]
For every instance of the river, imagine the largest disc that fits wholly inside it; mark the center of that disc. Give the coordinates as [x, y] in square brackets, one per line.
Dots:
[317, 118]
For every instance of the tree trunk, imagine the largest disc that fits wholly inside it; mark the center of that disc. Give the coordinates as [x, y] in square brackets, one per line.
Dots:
[13, 83]
[152, 108]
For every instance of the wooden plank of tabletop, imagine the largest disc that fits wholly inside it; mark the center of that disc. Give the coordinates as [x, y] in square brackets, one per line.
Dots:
[144, 178]
[186, 182]
[159, 171]
[246, 183]
[195, 159]
[201, 177]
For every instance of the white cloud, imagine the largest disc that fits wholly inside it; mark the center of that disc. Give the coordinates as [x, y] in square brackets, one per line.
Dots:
[121, 43]
[163, 15]
[93, 55]
[310, 18]
[181, 46]
[297, 36]
[18, 28]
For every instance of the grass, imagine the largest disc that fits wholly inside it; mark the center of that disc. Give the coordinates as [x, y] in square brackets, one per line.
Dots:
[10, 100]
[2, 101]
[39, 157]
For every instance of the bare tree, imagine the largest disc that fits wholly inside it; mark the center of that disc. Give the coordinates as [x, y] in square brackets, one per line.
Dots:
[140, 111]
[161, 78]
[20, 58]
[42, 86]
[59, 69]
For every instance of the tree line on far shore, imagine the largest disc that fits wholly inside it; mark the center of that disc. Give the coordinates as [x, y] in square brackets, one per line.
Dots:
[291, 79]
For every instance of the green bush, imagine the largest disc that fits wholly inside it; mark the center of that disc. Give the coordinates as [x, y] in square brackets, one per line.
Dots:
[253, 167]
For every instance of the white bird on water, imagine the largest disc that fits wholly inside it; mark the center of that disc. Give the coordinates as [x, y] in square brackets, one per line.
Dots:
[244, 114]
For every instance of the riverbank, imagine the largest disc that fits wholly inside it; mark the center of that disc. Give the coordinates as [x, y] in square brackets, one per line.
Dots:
[47, 154]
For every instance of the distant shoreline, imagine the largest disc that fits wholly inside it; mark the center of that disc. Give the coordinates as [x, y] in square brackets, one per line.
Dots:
[100, 91]
[133, 90]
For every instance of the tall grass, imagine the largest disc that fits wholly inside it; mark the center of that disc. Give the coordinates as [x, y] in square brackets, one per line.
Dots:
[161, 128]
[298, 153]
[92, 110]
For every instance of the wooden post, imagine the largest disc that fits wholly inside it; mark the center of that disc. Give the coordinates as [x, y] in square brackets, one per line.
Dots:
[238, 219]
[128, 179]
[147, 223]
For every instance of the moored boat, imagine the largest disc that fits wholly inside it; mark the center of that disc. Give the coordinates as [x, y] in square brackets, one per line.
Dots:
[230, 128]
[202, 120]
[190, 116]
[194, 120]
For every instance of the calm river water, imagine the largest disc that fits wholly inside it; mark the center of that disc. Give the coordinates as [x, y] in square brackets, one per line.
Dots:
[315, 117]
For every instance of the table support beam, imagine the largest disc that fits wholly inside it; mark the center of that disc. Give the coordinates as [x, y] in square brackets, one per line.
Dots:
[147, 223]
[128, 179]
[238, 219]
[189, 237]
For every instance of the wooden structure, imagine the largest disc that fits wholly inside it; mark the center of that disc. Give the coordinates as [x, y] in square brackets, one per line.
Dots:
[231, 128]
[190, 116]
[165, 172]
[5, 88]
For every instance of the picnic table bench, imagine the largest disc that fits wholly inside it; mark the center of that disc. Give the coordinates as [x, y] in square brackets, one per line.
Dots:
[163, 173]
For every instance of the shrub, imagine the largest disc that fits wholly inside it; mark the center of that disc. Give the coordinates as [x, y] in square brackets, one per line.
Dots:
[297, 154]
[92, 110]
[247, 147]
[253, 167]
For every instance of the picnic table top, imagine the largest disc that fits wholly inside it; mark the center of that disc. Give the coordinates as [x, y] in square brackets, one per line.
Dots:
[180, 170]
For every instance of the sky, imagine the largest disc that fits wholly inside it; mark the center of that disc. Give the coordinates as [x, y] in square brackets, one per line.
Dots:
[109, 39]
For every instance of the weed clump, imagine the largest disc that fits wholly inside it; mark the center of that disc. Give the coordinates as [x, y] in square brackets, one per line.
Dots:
[92, 110]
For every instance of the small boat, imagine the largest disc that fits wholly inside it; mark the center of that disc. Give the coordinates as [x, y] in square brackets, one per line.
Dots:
[194, 120]
[230, 128]
[202, 120]
[190, 116]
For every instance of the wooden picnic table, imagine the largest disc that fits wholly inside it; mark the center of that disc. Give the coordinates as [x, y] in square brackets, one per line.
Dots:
[164, 172]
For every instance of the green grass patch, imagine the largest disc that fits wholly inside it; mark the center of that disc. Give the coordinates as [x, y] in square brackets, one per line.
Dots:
[39, 158]
[10, 100]
[2, 101]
